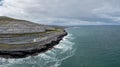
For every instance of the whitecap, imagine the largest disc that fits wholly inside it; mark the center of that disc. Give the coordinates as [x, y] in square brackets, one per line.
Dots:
[51, 58]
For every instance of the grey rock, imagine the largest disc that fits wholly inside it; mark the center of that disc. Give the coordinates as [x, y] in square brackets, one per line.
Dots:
[21, 38]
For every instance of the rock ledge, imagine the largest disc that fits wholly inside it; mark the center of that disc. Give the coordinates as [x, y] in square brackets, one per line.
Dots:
[20, 38]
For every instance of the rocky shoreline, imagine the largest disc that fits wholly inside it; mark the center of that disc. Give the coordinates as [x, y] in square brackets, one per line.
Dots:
[20, 38]
[34, 51]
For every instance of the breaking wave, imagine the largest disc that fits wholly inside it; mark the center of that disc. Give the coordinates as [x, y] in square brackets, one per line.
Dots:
[51, 58]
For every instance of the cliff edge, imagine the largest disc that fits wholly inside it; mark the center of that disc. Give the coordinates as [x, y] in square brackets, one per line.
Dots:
[20, 38]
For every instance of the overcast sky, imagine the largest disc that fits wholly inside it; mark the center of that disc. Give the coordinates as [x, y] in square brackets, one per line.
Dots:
[64, 12]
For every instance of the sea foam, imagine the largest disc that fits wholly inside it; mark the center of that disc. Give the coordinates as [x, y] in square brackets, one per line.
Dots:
[51, 58]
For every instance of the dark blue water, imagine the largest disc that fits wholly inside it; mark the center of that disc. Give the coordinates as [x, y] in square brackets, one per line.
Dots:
[96, 46]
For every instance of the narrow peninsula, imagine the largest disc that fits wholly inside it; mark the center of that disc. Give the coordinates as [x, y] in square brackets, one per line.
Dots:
[21, 38]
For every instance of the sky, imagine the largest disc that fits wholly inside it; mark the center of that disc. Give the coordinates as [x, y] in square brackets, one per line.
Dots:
[63, 12]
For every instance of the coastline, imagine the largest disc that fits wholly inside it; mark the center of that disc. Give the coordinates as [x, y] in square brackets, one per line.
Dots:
[46, 45]
[21, 38]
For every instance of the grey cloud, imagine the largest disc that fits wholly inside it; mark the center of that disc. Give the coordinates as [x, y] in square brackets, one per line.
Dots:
[77, 11]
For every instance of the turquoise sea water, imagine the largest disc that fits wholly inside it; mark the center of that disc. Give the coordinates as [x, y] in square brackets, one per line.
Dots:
[85, 46]
[96, 46]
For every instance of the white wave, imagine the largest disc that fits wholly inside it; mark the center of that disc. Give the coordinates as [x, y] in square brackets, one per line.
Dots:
[51, 58]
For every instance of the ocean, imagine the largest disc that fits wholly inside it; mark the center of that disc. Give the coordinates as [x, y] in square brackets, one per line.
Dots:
[84, 46]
